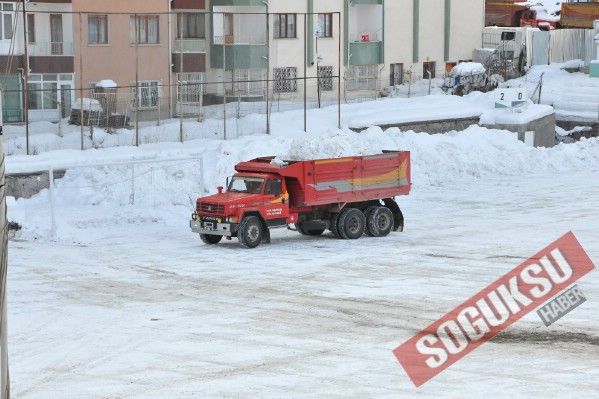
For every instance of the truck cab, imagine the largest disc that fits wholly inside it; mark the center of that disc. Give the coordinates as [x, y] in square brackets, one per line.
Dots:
[261, 195]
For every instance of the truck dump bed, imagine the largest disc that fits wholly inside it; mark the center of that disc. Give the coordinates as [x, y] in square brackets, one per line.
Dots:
[579, 15]
[340, 180]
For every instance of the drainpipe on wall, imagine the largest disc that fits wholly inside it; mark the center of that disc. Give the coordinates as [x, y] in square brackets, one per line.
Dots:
[415, 31]
[170, 61]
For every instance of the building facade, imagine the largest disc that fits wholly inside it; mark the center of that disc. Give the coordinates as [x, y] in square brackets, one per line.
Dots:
[51, 59]
[171, 56]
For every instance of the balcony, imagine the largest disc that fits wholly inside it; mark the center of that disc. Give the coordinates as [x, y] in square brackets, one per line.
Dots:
[366, 52]
[41, 49]
[239, 36]
[365, 32]
[190, 46]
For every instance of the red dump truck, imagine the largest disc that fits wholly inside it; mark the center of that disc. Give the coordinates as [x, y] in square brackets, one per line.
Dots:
[348, 196]
[523, 14]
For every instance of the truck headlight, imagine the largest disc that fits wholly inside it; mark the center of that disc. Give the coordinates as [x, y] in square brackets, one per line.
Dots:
[194, 216]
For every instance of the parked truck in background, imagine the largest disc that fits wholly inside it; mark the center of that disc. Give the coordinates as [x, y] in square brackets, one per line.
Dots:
[349, 196]
[515, 13]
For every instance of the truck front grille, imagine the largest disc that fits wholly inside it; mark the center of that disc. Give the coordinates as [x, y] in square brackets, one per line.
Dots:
[212, 209]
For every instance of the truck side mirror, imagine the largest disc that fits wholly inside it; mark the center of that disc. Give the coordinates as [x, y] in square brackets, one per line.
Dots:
[220, 189]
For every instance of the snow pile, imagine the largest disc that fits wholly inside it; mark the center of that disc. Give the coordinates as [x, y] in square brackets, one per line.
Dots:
[547, 10]
[103, 195]
[468, 68]
[89, 104]
[106, 84]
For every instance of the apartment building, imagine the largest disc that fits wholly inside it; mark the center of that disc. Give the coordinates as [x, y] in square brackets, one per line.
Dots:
[382, 42]
[172, 47]
[51, 62]
[124, 42]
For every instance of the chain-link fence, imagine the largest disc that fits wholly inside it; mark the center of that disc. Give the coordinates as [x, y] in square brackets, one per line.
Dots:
[179, 76]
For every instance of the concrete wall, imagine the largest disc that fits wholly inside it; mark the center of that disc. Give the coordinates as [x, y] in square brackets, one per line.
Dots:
[26, 185]
[438, 126]
[544, 129]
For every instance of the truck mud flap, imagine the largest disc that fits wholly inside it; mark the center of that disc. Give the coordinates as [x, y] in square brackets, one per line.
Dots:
[397, 214]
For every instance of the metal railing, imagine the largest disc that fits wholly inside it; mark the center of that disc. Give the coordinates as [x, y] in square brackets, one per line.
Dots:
[190, 46]
[51, 48]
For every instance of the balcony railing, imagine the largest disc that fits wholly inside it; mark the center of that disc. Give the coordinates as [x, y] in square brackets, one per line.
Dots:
[258, 38]
[190, 46]
[51, 48]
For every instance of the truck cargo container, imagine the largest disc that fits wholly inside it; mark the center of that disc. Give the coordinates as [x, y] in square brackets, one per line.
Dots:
[349, 196]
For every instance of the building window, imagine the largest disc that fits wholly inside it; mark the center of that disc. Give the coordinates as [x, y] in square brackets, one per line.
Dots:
[285, 80]
[325, 78]
[396, 74]
[6, 20]
[97, 29]
[449, 66]
[44, 90]
[31, 28]
[285, 27]
[325, 25]
[144, 29]
[191, 26]
[428, 70]
[189, 90]
[148, 94]
[245, 82]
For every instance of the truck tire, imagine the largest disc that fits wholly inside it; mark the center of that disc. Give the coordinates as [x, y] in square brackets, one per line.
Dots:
[380, 222]
[210, 239]
[250, 232]
[352, 224]
[334, 227]
[307, 230]
[367, 214]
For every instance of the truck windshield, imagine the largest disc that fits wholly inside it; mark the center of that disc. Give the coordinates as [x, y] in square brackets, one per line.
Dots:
[250, 185]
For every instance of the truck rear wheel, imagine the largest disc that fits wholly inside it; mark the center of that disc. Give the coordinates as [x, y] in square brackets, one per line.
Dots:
[334, 225]
[352, 224]
[210, 239]
[367, 214]
[250, 232]
[380, 222]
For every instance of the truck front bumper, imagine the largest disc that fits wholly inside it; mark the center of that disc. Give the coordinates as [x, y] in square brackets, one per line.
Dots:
[213, 228]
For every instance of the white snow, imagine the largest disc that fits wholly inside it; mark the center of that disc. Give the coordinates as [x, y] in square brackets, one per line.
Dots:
[547, 10]
[106, 84]
[574, 96]
[468, 68]
[89, 104]
[126, 302]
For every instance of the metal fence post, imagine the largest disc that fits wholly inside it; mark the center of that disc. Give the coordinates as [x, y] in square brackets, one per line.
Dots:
[202, 184]
[4, 376]
[51, 199]
[132, 198]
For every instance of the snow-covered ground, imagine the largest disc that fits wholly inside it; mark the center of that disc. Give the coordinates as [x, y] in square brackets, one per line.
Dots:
[125, 302]
[574, 96]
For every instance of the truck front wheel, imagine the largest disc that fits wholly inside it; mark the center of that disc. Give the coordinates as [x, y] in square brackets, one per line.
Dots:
[250, 232]
[352, 223]
[210, 239]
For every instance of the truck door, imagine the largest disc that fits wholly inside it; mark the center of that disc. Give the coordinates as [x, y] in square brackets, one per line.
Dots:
[278, 197]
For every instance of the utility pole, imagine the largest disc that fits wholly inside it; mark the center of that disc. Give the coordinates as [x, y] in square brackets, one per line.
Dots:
[25, 77]
[4, 378]
[137, 37]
